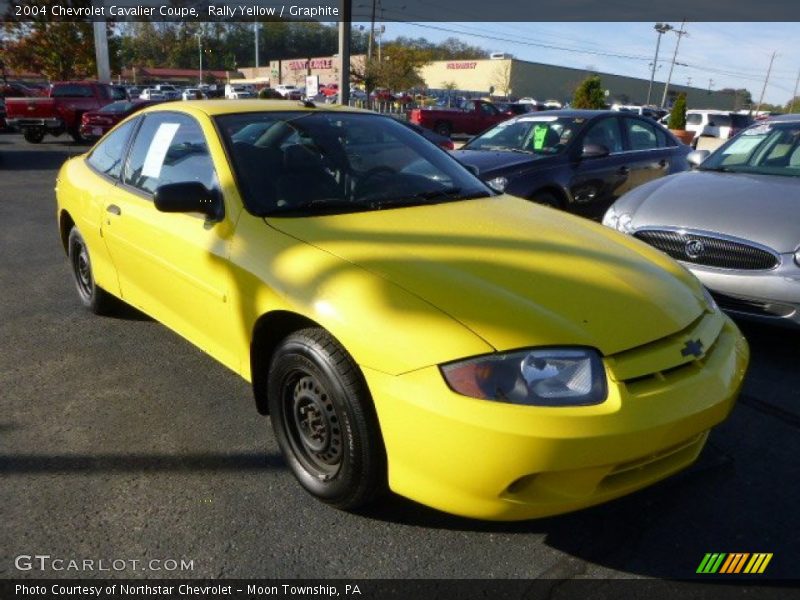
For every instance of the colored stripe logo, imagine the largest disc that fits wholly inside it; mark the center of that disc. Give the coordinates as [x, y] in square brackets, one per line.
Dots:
[735, 562]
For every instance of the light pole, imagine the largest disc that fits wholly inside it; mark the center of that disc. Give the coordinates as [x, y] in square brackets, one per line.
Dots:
[200, 53]
[680, 33]
[661, 28]
[766, 81]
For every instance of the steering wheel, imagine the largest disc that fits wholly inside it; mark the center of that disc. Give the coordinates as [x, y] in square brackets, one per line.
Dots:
[373, 173]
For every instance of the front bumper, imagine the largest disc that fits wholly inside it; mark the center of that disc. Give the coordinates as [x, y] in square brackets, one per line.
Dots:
[497, 461]
[768, 296]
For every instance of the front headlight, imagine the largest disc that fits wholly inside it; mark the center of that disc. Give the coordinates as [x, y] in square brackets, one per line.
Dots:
[797, 257]
[498, 184]
[536, 377]
[621, 221]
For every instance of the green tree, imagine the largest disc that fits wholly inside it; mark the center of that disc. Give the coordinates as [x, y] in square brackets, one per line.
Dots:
[677, 118]
[589, 94]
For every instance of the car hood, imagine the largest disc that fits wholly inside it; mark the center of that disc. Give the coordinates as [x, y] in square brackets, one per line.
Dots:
[514, 273]
[761, 208]
[491, 160]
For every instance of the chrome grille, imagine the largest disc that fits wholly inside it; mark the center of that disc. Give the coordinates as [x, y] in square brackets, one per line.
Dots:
[708, 250]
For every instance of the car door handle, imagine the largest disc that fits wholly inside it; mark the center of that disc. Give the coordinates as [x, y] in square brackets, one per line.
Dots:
[623, 170]
[662, 163]
[113, 209]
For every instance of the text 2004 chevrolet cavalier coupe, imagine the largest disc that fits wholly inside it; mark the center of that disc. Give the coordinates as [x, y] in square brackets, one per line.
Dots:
[404, 326]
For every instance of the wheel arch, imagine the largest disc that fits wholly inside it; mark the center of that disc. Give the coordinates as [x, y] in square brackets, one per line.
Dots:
[554, 190]
[269, 331]
[65, 225]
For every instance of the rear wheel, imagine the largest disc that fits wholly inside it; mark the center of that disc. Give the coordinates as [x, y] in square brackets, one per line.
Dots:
[324, 420]
[443, 128]
[93, 297]
[33, 135]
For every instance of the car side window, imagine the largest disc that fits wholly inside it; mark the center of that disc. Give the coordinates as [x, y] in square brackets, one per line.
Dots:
[641, 135]
[72, 91]
[107, 156]
[169, 148]
[605, 132]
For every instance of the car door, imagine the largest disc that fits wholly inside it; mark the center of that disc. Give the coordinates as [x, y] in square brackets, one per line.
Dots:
[597, 182]
[172, 266]
[649, 155]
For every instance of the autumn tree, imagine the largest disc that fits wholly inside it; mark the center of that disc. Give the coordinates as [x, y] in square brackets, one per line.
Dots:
[58, 50]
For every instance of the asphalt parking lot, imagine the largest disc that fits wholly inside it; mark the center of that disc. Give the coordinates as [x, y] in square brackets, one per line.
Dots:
[119, 440]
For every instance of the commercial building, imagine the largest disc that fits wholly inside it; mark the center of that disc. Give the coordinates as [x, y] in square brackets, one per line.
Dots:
[520, 78]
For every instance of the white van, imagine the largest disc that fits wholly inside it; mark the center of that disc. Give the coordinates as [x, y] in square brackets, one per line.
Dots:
[236, 92]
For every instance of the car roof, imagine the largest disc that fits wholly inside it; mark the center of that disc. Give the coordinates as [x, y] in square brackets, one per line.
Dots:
[571, 113]
[227, 107]
[791, 118]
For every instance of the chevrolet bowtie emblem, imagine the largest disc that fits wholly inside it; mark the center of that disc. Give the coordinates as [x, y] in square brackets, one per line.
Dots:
[693, 348]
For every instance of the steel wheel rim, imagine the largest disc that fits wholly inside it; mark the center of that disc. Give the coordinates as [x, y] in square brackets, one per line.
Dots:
[83, 270]
[313, 425]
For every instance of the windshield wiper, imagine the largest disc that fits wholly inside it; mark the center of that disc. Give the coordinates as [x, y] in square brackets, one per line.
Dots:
[320, 206]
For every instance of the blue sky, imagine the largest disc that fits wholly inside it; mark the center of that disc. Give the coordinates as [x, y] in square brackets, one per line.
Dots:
[731, 54]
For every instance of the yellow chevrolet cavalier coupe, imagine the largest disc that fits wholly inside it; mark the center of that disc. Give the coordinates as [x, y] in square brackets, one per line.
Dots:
[403, 325]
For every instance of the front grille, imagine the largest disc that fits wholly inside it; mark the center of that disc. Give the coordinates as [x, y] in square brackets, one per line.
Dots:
[708, 250]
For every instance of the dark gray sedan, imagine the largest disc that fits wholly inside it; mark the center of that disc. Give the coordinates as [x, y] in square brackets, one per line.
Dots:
[734, 221]
[578, 160]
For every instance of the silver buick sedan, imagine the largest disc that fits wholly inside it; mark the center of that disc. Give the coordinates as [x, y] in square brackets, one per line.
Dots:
[734, 221]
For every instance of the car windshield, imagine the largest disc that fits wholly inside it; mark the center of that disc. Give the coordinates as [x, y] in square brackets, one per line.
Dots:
[117, 107]
[769, 149]
[323, 162]
[534, 135]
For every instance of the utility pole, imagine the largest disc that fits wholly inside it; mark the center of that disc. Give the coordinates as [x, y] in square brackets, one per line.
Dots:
[661, 28]
[766, 81]
[680, 33]
[796, 84]
[371, 31]
[101, 48]
[346, 7]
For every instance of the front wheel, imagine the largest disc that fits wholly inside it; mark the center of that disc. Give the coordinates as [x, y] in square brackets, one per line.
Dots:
[93, 297]
[546, 199]
[324, 420]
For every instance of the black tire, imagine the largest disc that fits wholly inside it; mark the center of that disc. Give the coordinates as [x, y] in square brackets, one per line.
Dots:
[92, 296]
[33, 135]
[324, 420]
[443, 128]
[547, 199]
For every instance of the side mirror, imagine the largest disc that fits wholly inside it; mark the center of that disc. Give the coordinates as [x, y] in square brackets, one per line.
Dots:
[188, 197]
[697, 157]
[594, 151]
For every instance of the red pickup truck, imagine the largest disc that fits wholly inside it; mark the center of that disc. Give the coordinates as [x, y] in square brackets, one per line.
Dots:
[475, 117]
[59, 112]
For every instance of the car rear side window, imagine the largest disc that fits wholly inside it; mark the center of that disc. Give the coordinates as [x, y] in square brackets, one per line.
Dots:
[107, 156]
[72, 91]
[169, 148]
[694, 118]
